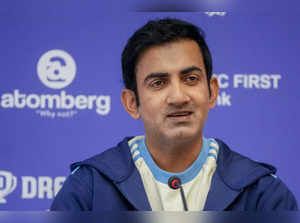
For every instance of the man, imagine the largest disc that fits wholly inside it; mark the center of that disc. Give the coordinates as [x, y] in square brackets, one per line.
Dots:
[167, 72]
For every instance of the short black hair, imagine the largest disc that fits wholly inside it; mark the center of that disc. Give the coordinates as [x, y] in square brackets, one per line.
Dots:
[159, 32]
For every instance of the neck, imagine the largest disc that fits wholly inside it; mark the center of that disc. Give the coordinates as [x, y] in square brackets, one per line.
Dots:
[174, 157]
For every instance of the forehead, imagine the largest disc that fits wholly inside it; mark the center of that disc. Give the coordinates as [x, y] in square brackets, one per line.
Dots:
[170, 58]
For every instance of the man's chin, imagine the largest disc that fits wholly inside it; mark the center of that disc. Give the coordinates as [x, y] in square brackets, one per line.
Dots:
[181, 136]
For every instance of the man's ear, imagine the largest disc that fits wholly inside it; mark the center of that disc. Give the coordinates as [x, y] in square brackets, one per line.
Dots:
[129, 103]
[214, 89]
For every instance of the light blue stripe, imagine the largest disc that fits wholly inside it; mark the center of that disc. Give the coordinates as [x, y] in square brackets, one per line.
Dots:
[136, 157]
[185, 176]
[213, 148]
[273, 175]
[132, 147]
[213, 155]
[75, 170]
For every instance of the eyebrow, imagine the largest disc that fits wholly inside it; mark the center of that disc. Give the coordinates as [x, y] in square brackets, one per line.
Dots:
[190, 69]
[164, 75]
[155, 75]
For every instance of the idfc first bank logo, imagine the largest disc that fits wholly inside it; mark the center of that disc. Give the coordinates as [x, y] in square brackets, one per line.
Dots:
[8, 183]
[56, 69]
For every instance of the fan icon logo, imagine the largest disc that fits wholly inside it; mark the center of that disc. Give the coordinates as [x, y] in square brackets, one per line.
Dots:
[8, 183]
[56, 69]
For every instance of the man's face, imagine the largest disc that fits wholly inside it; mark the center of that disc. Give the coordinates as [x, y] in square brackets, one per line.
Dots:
[173, 92]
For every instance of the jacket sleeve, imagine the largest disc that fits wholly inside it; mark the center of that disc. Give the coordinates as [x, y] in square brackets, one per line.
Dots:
[76, 193]
[276, 196]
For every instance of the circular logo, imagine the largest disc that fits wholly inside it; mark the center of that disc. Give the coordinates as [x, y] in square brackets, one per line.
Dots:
[56, 69]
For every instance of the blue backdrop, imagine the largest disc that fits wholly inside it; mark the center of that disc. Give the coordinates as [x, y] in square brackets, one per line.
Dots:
[60, 87]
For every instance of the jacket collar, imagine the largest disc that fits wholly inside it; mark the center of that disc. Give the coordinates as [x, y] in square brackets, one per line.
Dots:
[133, 189]
[234, 172]
[117, 165]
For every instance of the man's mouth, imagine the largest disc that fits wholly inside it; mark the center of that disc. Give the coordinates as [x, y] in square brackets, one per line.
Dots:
[179, 114]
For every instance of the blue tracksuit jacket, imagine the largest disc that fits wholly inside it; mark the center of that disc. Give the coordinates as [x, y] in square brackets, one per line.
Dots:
[110, 181]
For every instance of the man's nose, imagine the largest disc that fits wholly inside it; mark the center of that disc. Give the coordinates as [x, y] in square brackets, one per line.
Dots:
[177, 94]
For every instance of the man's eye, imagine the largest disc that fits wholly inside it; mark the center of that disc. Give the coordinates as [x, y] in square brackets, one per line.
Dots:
[157, 83]
[191, 79]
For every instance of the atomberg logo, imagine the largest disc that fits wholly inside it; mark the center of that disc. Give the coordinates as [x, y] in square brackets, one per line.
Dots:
[41, 187]
[56, 69]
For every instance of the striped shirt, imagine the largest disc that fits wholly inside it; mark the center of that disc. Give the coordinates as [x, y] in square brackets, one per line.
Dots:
[196, 179]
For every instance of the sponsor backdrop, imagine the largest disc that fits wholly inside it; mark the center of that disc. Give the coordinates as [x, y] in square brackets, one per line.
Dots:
[60, 87]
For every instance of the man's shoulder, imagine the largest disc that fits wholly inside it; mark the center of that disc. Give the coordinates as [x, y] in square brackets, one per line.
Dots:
[95, 175]
[256, 181]
[115, 162]
[238, 170]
